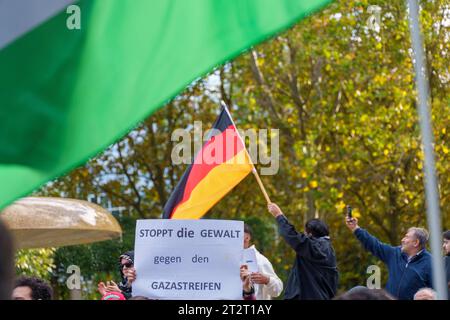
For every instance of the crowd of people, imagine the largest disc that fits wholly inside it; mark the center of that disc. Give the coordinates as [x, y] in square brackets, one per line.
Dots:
[313, 276]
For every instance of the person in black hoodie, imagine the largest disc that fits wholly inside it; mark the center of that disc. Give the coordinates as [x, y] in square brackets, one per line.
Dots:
[447, 259]
[314, 275]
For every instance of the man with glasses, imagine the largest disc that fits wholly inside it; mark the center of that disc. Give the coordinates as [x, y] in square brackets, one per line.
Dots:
[409, 265]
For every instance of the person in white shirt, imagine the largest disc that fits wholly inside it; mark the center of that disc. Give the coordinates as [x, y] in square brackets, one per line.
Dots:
[266, 283]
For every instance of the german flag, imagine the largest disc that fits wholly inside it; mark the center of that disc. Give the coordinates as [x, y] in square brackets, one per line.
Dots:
[220, 165]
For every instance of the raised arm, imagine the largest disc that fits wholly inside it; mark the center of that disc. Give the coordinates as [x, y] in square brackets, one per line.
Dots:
[293, 238]
[372, 244]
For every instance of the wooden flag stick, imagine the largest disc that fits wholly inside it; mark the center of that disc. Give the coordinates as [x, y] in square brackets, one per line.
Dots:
[255, 173]
[263, 189]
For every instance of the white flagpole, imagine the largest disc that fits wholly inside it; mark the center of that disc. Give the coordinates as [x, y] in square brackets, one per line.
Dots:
[432, 195]
[255, 173]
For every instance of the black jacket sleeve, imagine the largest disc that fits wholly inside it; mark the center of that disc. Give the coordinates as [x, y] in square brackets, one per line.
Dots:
[297, 240]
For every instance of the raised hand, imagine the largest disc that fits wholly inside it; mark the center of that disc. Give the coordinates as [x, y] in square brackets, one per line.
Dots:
[274, 209]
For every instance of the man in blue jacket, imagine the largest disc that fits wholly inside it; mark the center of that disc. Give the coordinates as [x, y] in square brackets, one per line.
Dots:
[409, 265]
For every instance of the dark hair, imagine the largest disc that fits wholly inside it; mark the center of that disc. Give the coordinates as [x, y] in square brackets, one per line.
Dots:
[40, 290]
[317, 228]
[364, 293]
[248, 230]
[6, 263]
[446, 235]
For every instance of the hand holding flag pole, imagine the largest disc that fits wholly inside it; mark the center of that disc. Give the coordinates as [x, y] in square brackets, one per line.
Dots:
[254, 171]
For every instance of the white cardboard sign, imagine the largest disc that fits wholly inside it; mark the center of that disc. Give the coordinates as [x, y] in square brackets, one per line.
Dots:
[188, 259]
[249, 258]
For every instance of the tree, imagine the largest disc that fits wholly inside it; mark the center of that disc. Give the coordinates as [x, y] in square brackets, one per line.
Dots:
[35, 262]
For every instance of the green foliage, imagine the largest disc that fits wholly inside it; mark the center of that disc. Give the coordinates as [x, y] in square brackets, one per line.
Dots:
[97, 261]
[35, 262]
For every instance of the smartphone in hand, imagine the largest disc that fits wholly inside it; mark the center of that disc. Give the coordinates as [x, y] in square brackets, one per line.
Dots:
[348, 212]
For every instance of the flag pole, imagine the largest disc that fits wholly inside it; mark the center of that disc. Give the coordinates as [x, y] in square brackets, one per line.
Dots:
[258, 179]
[254, 171]
[431, 188]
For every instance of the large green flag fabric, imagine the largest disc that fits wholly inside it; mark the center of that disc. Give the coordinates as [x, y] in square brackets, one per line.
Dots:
[67, 94]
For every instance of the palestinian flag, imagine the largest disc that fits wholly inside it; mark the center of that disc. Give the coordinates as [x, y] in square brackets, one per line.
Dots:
[76, 76]
[219, 166]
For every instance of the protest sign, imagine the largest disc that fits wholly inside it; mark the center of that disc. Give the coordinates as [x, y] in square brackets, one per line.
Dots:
[188, 259]
[249, 258]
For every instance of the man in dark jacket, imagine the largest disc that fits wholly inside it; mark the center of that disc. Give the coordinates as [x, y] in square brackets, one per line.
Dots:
[447, 258]
[314, 275]
[409, 265]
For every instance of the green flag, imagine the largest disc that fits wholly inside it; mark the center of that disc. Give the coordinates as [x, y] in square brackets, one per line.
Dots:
[75, 76]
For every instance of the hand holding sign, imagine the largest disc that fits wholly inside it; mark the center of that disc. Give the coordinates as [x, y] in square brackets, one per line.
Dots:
[246, 279]
[244, 273]
[249, 259]
[130, 273]
[259, 278]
